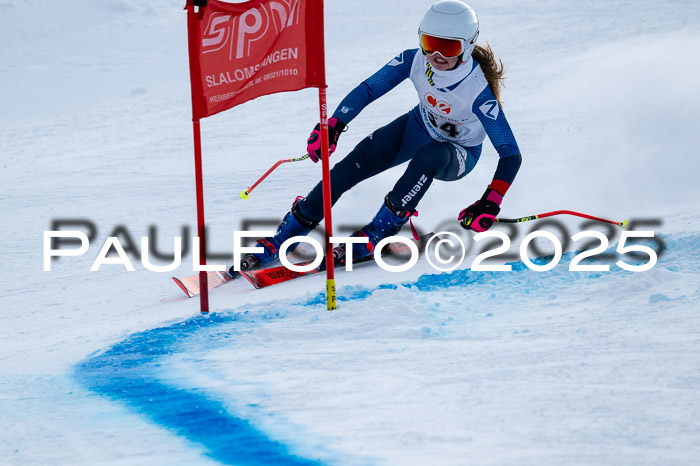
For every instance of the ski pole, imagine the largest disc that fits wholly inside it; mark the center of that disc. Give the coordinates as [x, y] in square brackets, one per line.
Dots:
[246, 192]
[622, 224]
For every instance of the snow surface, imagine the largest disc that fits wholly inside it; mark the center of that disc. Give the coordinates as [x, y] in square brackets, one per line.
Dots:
[560, 367]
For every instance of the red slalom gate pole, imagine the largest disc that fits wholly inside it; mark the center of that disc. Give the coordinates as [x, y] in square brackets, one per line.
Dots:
[193, 35]
[203, 282]
[327, 204]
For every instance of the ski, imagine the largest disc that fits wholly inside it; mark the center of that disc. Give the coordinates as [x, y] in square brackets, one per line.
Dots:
[262, 278]
[190, 285]
[273, 275]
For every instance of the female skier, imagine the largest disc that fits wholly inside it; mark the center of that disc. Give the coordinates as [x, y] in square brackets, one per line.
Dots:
[458, 84]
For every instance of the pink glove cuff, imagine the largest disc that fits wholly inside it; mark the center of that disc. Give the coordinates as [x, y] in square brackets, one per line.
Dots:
[493, 196]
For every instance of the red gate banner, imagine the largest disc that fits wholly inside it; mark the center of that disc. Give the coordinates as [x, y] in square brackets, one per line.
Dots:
[240, 51]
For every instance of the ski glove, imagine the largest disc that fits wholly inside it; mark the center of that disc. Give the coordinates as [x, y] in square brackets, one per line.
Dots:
[481, 215]
[313, 148]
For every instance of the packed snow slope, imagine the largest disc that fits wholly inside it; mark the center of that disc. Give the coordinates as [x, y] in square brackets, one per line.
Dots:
[421, 367]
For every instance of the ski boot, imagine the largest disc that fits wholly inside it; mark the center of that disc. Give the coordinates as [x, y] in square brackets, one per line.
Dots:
[387, 222]
[293, 224]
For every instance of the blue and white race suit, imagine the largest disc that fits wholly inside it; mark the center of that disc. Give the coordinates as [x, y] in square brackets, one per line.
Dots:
[442, 136]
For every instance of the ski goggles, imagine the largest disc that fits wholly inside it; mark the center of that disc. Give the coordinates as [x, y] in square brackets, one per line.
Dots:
[447, 47]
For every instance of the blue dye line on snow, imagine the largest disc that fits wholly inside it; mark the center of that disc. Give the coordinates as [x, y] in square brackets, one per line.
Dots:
[430, 282]
[468, 277]
[127, 373]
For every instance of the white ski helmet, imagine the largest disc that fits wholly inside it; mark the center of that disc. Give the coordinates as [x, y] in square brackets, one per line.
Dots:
[450, 19]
